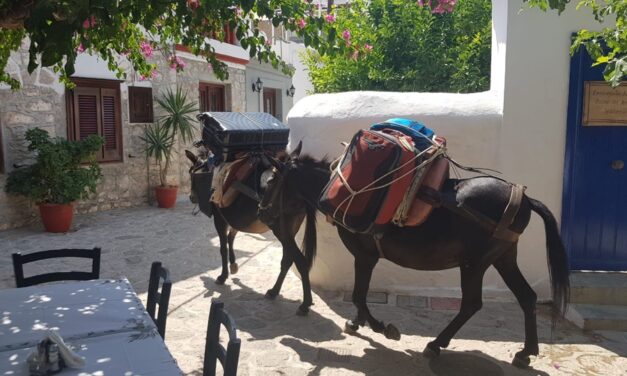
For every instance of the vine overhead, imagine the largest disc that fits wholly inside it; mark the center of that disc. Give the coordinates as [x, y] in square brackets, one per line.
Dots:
[126, 33]
[55, 32]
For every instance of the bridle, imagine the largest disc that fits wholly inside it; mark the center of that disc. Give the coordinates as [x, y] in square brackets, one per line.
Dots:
[269, 201]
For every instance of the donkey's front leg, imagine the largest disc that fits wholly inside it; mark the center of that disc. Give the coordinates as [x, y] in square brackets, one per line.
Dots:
[286, 263]
[222, 228]
[231, 239]
[364, 265]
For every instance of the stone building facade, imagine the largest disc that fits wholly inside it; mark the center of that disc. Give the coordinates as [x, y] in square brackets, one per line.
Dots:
[41, 102]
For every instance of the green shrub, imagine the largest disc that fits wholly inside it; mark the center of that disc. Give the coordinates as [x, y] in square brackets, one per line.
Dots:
[64, 171]
[405, 46]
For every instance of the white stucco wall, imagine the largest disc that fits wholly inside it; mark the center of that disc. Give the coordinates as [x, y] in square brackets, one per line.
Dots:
[518, 127]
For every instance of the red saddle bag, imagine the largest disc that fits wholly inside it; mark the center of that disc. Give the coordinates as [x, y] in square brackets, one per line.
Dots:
[370, 181]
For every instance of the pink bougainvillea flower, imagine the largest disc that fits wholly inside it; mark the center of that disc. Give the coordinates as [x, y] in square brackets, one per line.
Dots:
[89, 22]
[346, 34]
[142, 77]
[154, 74]
[301, 23]
[193, 4]
[146, 48]
[355, 55]
[80, 48]
[444, 6]
[368, 47]
[177, 63]
[330, 18]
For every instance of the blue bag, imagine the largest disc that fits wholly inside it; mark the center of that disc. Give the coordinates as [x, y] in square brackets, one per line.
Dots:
[420, 134]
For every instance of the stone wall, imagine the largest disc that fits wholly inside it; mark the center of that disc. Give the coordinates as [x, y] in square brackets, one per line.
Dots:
[41, 103]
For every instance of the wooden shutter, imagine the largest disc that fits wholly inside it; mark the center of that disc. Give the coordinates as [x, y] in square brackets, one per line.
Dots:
[269, 101]
[111, 124]
[140, 104]
[87, 112]
[211, 97]
[96, 110]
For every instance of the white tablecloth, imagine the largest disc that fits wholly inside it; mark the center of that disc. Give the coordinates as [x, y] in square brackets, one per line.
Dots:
[103, 320]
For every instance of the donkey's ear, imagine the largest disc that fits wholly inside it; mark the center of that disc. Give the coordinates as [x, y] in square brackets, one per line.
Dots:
[294, 154]
[191, 156]
[269, 161]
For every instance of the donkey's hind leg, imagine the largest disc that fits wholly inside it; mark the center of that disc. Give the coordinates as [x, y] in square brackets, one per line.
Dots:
[508, 269]
[222, 228]
[231, 239]
[286, 264]
[364, 266]
[471, 283]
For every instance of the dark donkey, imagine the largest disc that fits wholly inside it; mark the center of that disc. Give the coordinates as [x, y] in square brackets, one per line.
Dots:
[241, 215]
[446, 240]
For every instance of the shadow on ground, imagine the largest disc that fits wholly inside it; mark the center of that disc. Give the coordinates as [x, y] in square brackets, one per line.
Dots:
[380, 360]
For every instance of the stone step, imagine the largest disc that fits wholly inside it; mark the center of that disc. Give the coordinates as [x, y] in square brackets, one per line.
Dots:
[598, 316]
[598, 288]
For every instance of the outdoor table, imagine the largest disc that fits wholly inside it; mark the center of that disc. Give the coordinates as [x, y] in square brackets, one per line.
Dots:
[102, 320]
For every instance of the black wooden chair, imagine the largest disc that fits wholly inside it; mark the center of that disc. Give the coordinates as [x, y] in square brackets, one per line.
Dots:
[213, 350]
[159, 274]
[19, 260]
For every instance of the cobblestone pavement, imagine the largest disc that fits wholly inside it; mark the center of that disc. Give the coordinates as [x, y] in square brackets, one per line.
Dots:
[277, 342]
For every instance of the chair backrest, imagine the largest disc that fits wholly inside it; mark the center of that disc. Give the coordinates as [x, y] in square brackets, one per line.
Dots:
[159, 274]
[213, 350]
[19, 260]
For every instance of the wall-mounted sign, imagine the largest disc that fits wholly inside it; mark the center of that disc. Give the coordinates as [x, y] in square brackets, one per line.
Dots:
[604, 105]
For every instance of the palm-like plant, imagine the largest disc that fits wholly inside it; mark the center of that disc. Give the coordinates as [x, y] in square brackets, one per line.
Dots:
[178, 120]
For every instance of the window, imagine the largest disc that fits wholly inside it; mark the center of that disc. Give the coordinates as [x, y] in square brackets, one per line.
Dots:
[270, 102]
[211, 97]
[140, 104]
[94, 108]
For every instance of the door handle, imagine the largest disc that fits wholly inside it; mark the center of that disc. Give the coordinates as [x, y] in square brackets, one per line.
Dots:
[618, 164]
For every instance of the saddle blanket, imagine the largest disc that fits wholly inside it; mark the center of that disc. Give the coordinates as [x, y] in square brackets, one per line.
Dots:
[376, 180]
[227, 173]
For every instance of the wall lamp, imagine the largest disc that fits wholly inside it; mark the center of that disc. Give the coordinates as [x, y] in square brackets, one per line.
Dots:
[290, 92]
[258, 85]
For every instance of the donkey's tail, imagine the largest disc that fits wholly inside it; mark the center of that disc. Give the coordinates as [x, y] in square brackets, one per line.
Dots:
[309, 240]
[557, 260]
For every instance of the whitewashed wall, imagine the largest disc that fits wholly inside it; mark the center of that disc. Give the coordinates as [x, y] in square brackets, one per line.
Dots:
[518, 127]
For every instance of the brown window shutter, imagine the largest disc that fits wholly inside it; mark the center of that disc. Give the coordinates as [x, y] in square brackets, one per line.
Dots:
[111, 124]
[140, 104]
[211, 97]
[87, 112]
[203, 98]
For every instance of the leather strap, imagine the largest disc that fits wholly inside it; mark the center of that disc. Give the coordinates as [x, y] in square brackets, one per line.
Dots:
[515, 198]
[377, 242]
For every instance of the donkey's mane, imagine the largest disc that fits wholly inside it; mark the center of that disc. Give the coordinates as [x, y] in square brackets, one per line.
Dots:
[310, 162]
[306, 160]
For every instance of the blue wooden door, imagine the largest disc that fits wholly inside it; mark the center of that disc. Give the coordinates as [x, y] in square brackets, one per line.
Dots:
[594, 211]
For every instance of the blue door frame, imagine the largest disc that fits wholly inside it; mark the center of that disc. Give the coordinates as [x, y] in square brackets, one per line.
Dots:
[594, 206]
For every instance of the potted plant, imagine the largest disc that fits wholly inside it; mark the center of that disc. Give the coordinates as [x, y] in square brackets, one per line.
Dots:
[64, 171]
[160, 138]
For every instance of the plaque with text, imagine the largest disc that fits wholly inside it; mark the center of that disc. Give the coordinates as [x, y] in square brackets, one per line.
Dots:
[604, 105]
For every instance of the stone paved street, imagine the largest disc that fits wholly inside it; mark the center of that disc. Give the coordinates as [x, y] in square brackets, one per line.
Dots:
[277, 342]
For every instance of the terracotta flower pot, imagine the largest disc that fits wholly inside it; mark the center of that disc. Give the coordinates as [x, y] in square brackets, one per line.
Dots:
[56, 217]
[166, 196]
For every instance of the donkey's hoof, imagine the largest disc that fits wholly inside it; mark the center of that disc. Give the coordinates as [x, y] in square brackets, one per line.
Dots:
[431, 351]
[234, 268]
[271, 294]
[350, 327]
[302, 310]
[521, 361]
[220, 280]
[391, 332]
